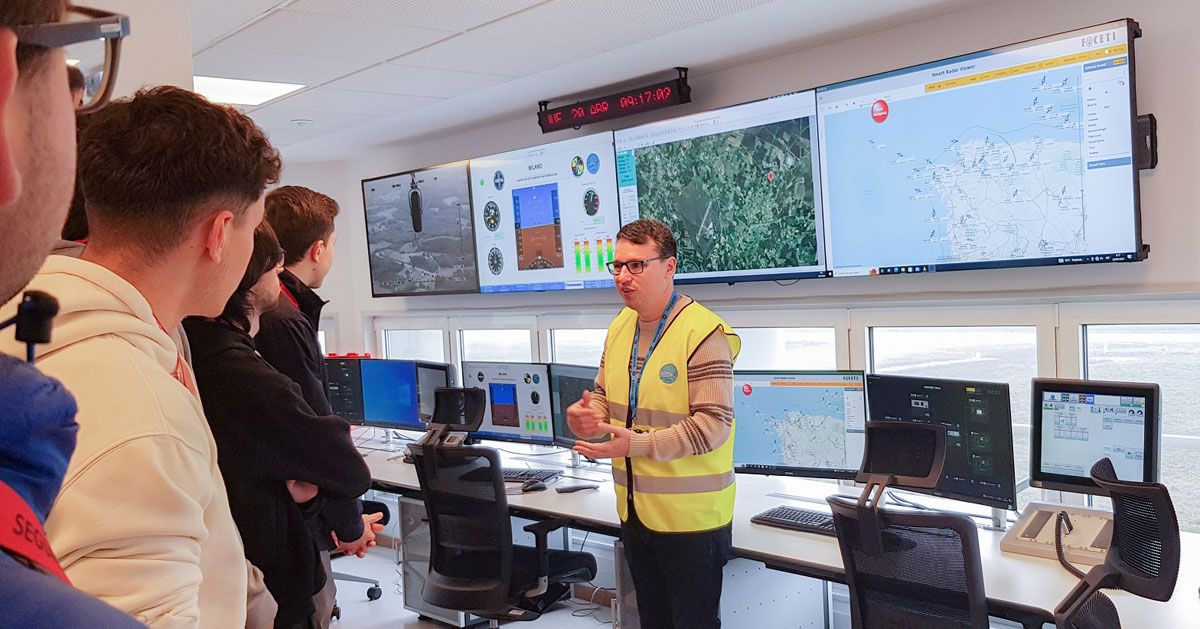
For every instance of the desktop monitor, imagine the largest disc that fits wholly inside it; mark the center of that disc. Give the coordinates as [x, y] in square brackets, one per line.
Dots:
[376, 392]
[799, 423]
[518, 401]
[1078, 422]
[978, 421]
[567, 384]
[430, 378]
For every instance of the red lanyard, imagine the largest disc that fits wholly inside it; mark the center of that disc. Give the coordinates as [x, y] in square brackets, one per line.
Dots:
[21, 533]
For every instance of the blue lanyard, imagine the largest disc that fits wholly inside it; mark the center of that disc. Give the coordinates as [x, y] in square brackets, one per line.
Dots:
[635, 374]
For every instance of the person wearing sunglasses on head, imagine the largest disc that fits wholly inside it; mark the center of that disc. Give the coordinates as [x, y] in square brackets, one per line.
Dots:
[37, 415]
[664, 392]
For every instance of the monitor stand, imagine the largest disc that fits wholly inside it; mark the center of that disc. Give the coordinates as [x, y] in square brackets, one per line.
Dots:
[391, 443]
[574, 460]
[1087, 543]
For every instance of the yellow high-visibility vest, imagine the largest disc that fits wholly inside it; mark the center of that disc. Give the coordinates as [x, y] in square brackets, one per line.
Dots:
[694, 493]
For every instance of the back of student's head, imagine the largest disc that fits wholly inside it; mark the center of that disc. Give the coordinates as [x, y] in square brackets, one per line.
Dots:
[264, 260]
[152, 167]
[303, 217]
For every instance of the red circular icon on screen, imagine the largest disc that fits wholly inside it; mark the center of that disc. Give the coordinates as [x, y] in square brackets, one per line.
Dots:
[746, 389]
[771, 177]
[879, 111]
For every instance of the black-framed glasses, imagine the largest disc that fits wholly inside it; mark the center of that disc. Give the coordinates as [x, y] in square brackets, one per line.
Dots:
[280, 258]
[634, 266]
[91, 39]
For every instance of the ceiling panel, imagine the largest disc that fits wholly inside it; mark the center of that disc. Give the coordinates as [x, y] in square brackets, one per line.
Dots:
[586, 26]
[450, 15]
[295, 33]
[398, 79]
[258, 65]
[280, 117]
[703, 9]
[327, 99]
[489, 55]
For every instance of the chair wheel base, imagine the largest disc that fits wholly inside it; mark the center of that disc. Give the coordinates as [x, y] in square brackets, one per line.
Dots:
[373, 593]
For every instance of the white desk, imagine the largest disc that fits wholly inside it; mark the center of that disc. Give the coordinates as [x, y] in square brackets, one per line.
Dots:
[1011, 581]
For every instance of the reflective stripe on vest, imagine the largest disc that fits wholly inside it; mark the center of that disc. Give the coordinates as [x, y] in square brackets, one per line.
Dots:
[694, 493]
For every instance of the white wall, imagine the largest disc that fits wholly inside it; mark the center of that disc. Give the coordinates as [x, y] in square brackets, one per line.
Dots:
[1166, 57]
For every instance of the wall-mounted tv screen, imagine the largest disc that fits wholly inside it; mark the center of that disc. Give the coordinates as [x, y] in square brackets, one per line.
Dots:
[1015, 156]
[546, 216]
[420, 237]
[738, 186]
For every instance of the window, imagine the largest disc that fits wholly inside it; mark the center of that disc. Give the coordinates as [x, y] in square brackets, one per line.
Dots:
[787, 348]
[321, 342]
[415, 345]
[578, 347]
[1166, 355]
[512, 345]
[987, 353]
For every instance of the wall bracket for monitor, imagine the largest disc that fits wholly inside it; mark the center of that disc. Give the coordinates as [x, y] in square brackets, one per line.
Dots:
[625, 103]
[1146, 140]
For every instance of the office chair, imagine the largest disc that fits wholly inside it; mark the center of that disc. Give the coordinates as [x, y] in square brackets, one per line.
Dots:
[474, 566]
[1143, 558]
[908, 569]
[375, 591]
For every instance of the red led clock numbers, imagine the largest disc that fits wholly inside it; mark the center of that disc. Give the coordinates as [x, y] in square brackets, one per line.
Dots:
[649, 98]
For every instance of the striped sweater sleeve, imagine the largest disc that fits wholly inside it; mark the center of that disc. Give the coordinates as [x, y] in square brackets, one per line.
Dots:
[710, 420]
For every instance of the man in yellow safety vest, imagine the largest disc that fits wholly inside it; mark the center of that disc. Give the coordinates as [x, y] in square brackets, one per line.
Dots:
[664, 392]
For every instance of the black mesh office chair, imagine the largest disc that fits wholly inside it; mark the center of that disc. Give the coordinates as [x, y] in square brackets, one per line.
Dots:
[908, 569]
[1143, 558]
[474, 566]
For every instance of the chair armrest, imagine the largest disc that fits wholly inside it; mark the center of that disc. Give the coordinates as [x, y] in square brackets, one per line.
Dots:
[541, 531]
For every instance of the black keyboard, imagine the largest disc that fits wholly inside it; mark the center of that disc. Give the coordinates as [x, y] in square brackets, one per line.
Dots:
[794, 519]
[520, 475]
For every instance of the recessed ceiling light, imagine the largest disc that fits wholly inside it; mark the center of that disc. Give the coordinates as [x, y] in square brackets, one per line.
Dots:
[239, 91]
[72, 62]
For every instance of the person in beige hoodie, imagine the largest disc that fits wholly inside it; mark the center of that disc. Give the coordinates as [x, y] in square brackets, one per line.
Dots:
[174, 187]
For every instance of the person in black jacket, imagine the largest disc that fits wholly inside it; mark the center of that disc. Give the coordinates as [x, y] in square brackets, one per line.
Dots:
[303, 219]
[265, 432]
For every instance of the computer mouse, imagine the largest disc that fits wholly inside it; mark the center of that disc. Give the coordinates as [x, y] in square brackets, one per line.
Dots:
[532, 485]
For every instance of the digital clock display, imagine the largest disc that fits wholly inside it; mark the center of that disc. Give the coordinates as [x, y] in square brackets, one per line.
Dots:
[657, 96]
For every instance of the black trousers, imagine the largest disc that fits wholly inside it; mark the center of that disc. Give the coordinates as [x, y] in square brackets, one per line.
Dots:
[676, 576]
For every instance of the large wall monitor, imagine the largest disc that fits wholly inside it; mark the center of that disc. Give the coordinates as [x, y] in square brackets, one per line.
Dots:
[738, 186]
[567, 384]
[1078, 422]
[799, 423]
[546, 217]
[1015, 156]
[518, 401]
[978, 421]
[420, 239]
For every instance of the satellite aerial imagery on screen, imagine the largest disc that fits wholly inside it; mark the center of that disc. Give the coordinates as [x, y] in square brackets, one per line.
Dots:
[737, 200]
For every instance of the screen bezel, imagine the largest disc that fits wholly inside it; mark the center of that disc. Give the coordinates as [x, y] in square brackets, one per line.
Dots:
[1140, 253]
[1152, 431]
[1010, 505]
[466, 164]
[494, 436]
[419, 426]
[801, 472]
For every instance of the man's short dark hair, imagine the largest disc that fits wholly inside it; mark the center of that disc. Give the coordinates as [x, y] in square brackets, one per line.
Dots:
[647, 230]
[25, 13]
[152, 165]
[263, 258]
[75, 79]
[300, 217]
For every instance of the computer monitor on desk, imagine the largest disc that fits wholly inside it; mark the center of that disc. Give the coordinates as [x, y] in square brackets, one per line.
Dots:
[799, 423]
[518, 401]
[978, 421]
[567, 384]
[376, 392]
[431, 377]
[1078, 422]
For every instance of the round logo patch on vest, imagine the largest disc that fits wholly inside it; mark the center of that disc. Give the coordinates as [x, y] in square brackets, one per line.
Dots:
[668, 374]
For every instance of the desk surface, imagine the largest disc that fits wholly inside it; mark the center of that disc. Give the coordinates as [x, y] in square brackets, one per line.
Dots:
[1029, 581]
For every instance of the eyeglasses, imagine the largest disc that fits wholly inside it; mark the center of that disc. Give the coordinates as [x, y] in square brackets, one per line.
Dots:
[634, 266]
[280, 257]
[91, 39]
